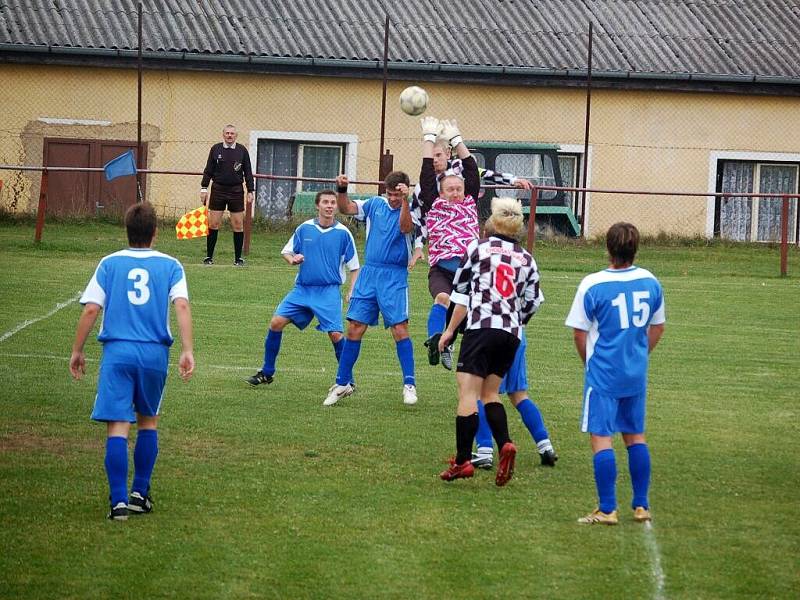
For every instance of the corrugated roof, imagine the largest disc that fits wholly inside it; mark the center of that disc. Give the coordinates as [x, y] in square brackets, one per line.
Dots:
[722, 37]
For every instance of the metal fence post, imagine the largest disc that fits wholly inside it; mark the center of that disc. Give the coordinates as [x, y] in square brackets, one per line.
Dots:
[784, 234]
[532, 218]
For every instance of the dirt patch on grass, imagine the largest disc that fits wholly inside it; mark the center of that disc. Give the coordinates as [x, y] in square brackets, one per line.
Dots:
[32, 443]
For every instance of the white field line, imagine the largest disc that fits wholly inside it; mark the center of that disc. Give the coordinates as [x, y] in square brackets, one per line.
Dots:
[174, 363]
[29, 322]
[655, 561]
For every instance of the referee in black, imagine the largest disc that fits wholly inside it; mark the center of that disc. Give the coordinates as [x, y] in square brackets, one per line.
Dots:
[228, 166]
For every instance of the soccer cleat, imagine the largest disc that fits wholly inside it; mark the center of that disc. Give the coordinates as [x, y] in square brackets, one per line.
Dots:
[598, 517]
[641, 514]
[482, 460]
[456, 471]
[336, 393]
[259, 378]
[409, 395]
[119, 512]
[505, 467]
[208, 260]
[139, 505]
[239, 262]
[432, 344]
[548, 458]
[447, 357]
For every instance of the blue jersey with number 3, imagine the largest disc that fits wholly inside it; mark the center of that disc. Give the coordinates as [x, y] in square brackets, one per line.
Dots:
[615, 307]
[135, 288]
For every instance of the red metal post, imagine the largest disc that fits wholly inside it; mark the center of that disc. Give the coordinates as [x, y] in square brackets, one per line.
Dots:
[784, 234]
[42, 205]
[248, 221]
[532, 218]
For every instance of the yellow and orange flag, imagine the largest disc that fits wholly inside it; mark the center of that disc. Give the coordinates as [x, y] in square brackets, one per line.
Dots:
[193, 224]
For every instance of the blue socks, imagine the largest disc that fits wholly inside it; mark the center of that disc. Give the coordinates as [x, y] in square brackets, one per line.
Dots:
[348, 358]
[117, 469]
[405, 352]
[144, 459]
[337, 348]
[532, 418]
[605, 478]
[484, 435]
[272, 345]
[639, 467]
[436, 319]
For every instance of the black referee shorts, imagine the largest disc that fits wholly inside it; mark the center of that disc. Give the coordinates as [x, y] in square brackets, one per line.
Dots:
[227, 196]
[487, 352]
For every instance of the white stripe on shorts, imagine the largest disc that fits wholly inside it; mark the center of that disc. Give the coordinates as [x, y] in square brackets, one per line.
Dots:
[585, 421]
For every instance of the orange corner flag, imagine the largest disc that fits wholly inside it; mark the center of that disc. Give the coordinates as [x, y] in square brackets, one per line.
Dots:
[193, 224]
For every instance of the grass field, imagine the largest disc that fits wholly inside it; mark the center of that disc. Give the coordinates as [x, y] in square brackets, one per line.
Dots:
[265, 493]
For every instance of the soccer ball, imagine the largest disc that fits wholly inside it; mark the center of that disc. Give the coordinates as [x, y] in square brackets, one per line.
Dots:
[413, 100]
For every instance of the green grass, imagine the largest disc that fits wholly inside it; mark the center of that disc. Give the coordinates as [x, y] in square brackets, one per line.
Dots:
[264, 493]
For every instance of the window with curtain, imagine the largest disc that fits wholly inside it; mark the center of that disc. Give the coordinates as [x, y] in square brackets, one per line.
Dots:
[756, 219]
[287, 157]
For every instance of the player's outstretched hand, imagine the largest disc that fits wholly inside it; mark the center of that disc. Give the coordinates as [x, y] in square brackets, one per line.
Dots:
[186, 365]
[414, 258]
[430, 128]
[77, 364]
[297, 259]
[444, 341]
[451, 131]
[523, 184]
[342, 181]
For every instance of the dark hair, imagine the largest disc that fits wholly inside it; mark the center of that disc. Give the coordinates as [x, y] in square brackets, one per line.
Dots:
[622, 242]
[140, 222]
[322, 193]
[395, 178]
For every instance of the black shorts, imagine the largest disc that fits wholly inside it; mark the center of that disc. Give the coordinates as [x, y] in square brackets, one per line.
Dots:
[487, 352]
[440, 281]
[230, 196]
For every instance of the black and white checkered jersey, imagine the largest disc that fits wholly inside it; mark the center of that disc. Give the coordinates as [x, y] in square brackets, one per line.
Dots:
[498, 282]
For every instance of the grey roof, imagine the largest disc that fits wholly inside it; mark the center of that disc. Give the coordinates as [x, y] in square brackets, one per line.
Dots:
[641, 38]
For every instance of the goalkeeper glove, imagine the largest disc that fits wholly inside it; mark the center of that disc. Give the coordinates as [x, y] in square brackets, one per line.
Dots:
[451, 131]
[430, 128]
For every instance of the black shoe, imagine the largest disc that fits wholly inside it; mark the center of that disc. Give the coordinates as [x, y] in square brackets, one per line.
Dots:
[259, 378]
[139, 505]
[239, 262]
[432, 344]
[208, 260]
[549, 458]
[119, 512]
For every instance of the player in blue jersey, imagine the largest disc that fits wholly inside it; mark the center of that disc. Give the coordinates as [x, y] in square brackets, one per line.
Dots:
[324, 249]
[515, 384]
[382, 285]
[618, 318]
[135, 288]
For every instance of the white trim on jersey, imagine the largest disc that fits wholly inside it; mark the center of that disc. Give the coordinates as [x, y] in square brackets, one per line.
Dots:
[585, 419]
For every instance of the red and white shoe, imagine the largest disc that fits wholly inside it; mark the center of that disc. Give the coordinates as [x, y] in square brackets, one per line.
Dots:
[505, 466]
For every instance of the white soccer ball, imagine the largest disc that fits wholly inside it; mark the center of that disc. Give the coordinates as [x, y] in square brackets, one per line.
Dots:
[413, 100]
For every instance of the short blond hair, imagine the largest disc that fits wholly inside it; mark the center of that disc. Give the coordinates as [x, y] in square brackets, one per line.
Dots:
[506, 218]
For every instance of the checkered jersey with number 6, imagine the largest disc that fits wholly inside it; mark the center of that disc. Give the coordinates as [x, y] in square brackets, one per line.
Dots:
[498, 282]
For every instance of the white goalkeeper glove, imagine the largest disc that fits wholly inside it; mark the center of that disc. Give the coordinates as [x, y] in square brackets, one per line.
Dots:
[430, 128]
[451, 131]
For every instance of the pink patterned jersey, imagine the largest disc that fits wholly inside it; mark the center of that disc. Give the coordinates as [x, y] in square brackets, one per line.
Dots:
[451, 227]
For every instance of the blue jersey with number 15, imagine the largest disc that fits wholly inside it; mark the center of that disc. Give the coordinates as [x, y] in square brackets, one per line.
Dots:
[615, 307]
[135, 288]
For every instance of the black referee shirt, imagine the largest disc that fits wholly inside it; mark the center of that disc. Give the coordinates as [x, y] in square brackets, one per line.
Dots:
[228, 166]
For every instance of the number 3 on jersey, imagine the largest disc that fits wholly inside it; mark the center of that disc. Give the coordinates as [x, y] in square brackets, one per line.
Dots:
[641, 310]
[504, 280]
[140, 293]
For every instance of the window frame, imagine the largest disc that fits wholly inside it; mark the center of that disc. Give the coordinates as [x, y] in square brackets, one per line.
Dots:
[716, 158]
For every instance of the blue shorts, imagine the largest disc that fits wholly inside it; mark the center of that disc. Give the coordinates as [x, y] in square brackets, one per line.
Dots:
[380, 289]
[304, 303]
[131, 380]
[516, 380]
[606, 415]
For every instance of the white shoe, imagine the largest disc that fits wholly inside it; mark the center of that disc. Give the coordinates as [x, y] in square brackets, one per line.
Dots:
[336, 393]
[409, 394]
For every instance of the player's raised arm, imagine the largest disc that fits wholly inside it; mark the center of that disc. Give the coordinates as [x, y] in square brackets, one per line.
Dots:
[343, 203]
